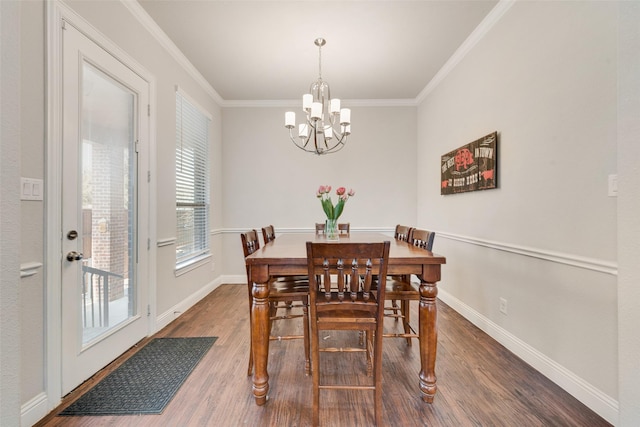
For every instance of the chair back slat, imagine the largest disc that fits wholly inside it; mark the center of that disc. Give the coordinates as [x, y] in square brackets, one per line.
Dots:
[336, 270]
[268, 234]
[402, 232]
[422, 238]
[250, 242]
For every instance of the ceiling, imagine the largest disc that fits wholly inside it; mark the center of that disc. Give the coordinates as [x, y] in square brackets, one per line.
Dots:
[264, 49]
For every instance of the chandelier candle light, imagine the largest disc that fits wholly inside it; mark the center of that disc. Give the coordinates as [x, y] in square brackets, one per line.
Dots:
[326, 124]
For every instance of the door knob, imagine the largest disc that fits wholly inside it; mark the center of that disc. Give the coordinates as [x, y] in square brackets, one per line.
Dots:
[74, 256]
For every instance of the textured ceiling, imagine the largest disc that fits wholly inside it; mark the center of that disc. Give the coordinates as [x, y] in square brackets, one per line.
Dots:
[264, 50]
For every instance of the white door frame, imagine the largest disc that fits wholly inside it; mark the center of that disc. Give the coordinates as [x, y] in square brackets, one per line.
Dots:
[56, 14]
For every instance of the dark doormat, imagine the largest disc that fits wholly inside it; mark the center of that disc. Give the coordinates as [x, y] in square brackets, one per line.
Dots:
[147, 381]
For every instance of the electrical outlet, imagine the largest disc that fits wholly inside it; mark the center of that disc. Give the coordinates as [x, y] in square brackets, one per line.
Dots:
[503, 306]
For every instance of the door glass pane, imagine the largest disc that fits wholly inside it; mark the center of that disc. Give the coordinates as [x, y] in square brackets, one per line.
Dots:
[108, 194]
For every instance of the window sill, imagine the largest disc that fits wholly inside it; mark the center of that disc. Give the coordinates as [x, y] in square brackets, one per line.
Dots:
[192, 264]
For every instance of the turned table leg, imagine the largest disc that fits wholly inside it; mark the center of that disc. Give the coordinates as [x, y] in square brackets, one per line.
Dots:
[260, 332]
[428, 333]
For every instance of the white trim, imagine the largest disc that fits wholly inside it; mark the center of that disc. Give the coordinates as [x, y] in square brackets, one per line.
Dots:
[595, 399]
[34, 410]
[306, 230]
[192, 264]
[166, 242]
[297, 103]
[150, 25]
[483, 28]
[233, 279]
[29, 269]
[58, 13]
[53, 208]
[602, 266]
[193, 102]
[176, 311]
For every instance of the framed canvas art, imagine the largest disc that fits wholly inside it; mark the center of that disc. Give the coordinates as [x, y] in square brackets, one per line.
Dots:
[471, 167]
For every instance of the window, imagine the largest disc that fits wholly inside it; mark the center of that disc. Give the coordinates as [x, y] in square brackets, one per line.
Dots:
[192, 182]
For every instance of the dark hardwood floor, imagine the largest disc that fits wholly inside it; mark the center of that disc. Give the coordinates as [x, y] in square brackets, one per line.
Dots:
[480, 383]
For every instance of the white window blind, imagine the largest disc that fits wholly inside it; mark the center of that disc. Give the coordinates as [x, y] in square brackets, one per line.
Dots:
[192, 181]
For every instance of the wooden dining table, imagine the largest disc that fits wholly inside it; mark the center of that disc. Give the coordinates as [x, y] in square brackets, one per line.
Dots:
[286, 256]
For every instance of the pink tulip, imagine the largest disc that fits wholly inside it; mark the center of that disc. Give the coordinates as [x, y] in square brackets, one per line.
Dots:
[340, 191]
[352, 193]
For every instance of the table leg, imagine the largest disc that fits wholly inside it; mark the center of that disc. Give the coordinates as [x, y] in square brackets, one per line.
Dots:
[428, 340]
[260, 333]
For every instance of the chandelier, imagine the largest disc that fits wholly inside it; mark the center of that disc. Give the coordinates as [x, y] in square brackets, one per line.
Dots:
[326, 125]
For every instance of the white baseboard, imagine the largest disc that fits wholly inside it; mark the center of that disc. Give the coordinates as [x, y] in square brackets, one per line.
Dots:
[34, 410]
[237, 279]
[595, 399]
[174, 312]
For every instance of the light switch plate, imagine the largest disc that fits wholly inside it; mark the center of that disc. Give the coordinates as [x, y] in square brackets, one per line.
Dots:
[31, 189]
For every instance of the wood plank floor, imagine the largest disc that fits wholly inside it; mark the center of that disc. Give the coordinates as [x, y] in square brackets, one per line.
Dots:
[480, 383]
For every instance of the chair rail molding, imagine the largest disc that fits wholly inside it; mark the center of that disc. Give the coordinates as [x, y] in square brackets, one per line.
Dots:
[602, 266]
[29, 268]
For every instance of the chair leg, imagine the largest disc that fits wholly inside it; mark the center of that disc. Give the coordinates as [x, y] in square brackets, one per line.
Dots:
[305, 325]
[395, 308]
[406, 313]
[315, 373]
[250, 367]
[377, 379]
[370, 349]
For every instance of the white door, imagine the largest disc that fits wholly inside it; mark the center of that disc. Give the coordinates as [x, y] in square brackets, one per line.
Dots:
[104, 215]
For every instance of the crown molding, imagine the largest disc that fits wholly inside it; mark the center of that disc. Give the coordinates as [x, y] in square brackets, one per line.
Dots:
[295, 103]
[481, 30]
[150, 25]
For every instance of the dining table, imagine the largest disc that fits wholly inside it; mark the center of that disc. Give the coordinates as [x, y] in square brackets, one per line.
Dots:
[286, 256]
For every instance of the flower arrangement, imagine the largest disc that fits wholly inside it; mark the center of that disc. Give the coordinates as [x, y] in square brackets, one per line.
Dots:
[333, 212]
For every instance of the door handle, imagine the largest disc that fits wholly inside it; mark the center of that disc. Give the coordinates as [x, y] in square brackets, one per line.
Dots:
[74, 256]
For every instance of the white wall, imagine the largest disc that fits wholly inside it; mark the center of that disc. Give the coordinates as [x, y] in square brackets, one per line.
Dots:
[628, 208]
[117, 24]
[267, 180]
[10, 333]
[544, 77]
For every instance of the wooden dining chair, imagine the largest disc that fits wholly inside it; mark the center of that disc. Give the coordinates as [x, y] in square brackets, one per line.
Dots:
[343, 227]
[342, 298]
[403, 289]
[269, 235]
[402, 233]
[294, 293]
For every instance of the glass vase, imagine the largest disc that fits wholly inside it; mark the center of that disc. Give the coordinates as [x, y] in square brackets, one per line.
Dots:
[331, 229]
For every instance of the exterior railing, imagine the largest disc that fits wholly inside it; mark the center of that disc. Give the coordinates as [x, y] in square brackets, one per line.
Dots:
[95, 296]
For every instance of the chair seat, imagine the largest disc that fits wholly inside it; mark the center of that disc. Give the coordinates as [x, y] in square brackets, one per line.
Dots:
[402, 290]
[283, 289]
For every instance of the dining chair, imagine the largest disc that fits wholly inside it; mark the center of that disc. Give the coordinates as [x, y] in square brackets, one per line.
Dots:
[403, 289]
[269, 235]
[402, 233]
[338, 304]
[294, 293]
[344, 228]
